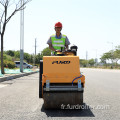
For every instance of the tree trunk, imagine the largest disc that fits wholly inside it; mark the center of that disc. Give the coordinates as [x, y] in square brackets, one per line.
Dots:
[2, 63]
[116, 64]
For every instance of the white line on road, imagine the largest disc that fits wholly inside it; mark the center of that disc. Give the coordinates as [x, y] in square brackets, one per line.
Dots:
[1, 85]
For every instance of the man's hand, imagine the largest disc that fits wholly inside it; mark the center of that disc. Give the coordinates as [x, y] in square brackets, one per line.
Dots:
[57, 50]
[51, 47]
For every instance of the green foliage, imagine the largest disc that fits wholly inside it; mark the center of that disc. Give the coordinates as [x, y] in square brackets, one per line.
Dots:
[9, 64]
[114, 56]
[27, 57]
[8, 55]
[91, 62]
[107, 56]
[4, 56]
[86, 63]
[46, 52]
[38, 58]
[111, 55]
[11, 56]
[83, 62]
[10, 52]
[117, 54]
[8, 61]
[17, 54]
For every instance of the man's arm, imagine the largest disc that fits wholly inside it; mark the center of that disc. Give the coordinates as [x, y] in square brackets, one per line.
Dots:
[66, 47]
[67, 43]
[49, 42]
[51, 47]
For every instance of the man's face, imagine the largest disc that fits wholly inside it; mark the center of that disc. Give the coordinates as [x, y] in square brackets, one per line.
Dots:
[58, 29]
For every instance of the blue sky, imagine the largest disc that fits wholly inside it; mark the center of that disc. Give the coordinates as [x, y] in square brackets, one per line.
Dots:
[89, 24]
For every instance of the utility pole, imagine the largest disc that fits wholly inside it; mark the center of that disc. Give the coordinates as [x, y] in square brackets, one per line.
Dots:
[21, 37]
[35, 52]
[87, 58]
[35, 46]
[86, 55]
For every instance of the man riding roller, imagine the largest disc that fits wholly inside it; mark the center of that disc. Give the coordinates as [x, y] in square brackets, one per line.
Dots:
[58, 40]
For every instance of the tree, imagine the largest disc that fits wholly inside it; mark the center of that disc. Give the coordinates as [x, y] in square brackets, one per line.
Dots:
[103, 60]
[83, 62]
[46, 52]
[31, 58]
[111, 55]
[116, 55]
[5, 18]
[10, 52]
[91, 62]
[38, 58]
[27, 57]
[107, 56]
[17, 54]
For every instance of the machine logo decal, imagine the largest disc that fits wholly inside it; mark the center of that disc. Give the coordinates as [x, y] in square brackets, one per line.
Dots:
[61, 62]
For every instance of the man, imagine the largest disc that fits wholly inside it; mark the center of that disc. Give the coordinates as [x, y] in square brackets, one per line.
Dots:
[58, 40]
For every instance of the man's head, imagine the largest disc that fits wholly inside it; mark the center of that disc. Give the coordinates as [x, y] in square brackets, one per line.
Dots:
[58, 27]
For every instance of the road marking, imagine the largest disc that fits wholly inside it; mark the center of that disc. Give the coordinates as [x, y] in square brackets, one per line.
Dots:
[1, 85]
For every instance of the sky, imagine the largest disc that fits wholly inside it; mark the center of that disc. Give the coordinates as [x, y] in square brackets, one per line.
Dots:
[92, 25]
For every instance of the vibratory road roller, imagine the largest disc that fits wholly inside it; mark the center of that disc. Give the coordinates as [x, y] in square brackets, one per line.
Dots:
[61, 82]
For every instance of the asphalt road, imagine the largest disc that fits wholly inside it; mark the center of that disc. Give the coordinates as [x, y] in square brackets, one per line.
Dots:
[19, 98]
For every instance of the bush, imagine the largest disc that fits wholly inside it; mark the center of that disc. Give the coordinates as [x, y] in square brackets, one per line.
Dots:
[9, 64]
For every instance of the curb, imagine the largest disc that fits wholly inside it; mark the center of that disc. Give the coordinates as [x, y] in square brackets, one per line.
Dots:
[16, 76]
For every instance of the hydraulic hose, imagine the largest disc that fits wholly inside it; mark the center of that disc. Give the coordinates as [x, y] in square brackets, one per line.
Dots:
[76, 78]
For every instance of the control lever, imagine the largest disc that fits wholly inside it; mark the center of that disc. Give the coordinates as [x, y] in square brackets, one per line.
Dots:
[61, 49]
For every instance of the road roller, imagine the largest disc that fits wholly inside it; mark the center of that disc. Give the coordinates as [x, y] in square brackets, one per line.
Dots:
[60, 81]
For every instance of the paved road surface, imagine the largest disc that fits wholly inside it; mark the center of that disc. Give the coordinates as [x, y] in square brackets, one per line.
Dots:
[19, 98]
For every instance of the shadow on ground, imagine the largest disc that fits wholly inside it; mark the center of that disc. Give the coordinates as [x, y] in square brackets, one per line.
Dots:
[86, 112]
